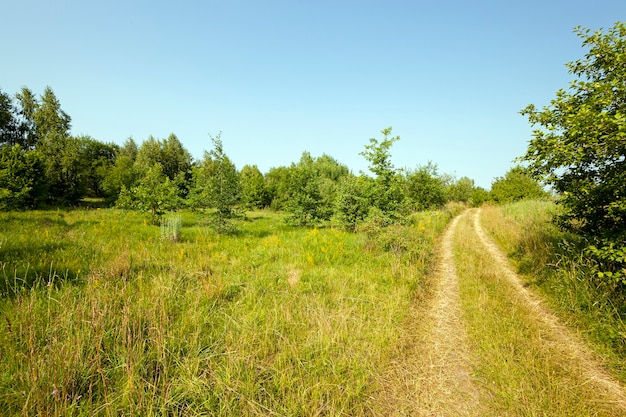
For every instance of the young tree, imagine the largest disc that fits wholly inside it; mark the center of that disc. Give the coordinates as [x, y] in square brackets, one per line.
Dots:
[426, 189]
[21, 177]
[378, 155]
[580, 145]
[389, 194]
[9, 126]
[155, 194]
[355, 196]
[516, 185]
[216, 184]
[123, 173]
[253, 191]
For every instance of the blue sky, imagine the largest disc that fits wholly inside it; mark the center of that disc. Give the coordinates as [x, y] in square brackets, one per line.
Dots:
[281, 77]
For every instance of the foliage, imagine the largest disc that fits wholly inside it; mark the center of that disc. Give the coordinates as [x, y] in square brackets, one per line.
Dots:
[580, 145]
[378, 155]
[98, 159]
[174, 159]
[312, 188]
[155, 194]
[278, 185]
[516, 185]
[426, 189]
[460, 190]
[123, 173]
[354, 201]
[21, 177]
[216, 185]
[9, 125]
[254, 193]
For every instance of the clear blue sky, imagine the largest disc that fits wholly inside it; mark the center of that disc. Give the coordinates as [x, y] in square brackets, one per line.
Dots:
[281, 77]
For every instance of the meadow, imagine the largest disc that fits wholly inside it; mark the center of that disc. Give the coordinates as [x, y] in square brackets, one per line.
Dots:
[102, 314]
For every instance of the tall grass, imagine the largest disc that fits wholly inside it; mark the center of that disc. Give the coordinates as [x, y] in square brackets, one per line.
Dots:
[553, 262]
[100, 316]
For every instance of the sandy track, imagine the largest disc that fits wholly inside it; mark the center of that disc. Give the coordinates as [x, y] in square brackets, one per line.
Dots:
[432, 378]
[562, 338]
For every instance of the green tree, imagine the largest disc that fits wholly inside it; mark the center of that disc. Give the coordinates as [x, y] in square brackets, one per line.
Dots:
[426, 189]
[21, 177]
[312, 189]
[253, 190]
[461, 190]
[123, 173]
[378, 154]
[99, 159]
[155, 194]
[28, 106]
[9, 125]
[516, 185]
[389, 187]
[355, 196]
[216, 185]
[170, 153]
[579, 147]
[279, 186]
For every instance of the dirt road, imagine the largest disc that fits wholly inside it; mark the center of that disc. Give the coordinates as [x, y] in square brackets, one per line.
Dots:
[437, 373]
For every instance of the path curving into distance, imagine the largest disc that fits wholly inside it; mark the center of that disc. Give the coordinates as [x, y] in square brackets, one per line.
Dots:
[434, 373]
[577, 353]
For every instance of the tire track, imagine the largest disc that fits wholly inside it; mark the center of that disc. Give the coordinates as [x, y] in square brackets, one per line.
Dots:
[432, 377]
[578, 354]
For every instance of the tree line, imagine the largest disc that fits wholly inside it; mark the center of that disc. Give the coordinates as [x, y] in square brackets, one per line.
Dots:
[43, 165]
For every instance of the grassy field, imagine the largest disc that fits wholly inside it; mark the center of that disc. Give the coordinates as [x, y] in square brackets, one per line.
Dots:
[101, 316]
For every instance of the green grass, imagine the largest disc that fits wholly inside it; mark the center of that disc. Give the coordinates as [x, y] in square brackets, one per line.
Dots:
[553, 263]
[101, 316]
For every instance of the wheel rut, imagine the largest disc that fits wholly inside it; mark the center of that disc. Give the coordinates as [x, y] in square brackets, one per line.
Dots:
[432, 376]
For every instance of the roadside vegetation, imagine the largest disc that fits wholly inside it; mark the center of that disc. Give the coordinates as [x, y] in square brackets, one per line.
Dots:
[104, 314]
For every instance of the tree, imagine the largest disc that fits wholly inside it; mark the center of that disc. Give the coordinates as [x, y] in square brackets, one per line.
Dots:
[354, 200]
[425, 188]
[461, 190]
[389, 193]
[216, 184]
[516, 185]
[28, 107]
[99, 159]
[173, 158]
[9, 126]
[312, 189]
[579, 146]
[21, 177]
[155, 194]
[378, 155]
[253, 191]
[123, 173]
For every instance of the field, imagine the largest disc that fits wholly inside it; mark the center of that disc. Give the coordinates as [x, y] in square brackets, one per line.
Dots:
[103, 316]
